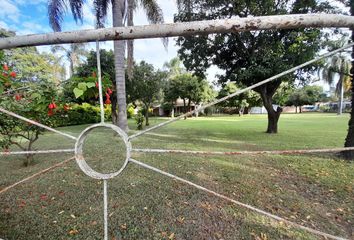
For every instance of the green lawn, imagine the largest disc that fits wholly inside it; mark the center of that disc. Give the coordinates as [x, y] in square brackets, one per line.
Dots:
[315, 190]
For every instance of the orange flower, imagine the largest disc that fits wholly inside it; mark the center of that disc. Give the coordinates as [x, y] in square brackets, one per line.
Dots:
[13, 74]
[5, 67]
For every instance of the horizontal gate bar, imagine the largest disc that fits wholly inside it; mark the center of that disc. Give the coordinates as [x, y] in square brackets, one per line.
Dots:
[38, 152]
[293, 151]
[183, 29]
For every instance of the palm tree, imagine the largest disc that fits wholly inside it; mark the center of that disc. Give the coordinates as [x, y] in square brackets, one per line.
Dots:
[174, 67]
[57, 9]
[73, 54]
[338, 65]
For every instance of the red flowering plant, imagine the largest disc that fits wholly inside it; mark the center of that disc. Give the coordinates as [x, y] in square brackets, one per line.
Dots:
[87, 88]
[35, 101]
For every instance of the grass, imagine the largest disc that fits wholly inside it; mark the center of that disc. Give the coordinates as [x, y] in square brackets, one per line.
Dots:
[315, 190]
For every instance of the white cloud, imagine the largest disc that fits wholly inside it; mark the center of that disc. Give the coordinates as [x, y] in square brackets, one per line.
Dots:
[4, 25]
[32, 2]
[34, 27]
[9, 10]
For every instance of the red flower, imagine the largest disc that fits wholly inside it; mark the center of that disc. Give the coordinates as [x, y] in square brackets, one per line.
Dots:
[108, 101]
[18, 97]
[96, 84]
[5, 74]
[109, 91]
[107, 96]
[52, 105]
[5, 67]
[13, 74]
[50, 112]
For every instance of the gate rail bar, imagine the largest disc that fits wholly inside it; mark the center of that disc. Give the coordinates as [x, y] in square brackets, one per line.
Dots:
[182, 29]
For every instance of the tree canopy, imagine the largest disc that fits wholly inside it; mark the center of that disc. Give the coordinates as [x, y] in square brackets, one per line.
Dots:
[250, 57]
[146, 85]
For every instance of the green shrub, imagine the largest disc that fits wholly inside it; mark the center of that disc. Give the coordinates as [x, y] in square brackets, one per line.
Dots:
[80, 114]
[130, 111]
[139, 119]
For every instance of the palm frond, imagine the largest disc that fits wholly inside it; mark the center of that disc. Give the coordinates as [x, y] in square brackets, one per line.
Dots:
[76, 9]
[57, 48]
[154, 15]
[101, 7]
[56, 11]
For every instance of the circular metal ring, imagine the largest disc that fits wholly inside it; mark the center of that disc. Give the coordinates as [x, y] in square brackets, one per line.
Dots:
[79, 157]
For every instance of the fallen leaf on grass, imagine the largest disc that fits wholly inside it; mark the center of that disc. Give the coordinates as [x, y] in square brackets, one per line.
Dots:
[123, 226]
[180, 219]
[73, 232]
[72, 215]
[172, 236]
[43, 197]
[22, 204]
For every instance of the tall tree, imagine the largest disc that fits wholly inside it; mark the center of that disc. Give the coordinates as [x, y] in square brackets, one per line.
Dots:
[338, 65]
[252, 56]
[57, 9]
[145, 86]
[73, 54]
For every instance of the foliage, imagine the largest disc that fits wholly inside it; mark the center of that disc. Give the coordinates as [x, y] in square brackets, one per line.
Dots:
[306, 95]
[130, 111]
[73, 54]
[145, 86]
[76, 114]
[189, 88]
[241, 101]
[83, 85]
[39, 105]
[251, 56]
[32, 66]
[139, 120]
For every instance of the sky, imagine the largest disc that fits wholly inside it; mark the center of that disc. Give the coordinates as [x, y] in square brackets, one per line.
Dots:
[30, 17]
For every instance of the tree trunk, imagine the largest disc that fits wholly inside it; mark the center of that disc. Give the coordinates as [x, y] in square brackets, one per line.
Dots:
[147, 115]
[341, 96]
[349, 141]
[119, 53]
[130, 43]
[273, 116]
[114, 107]
[300, 108]
[184, 108]
[240, 111]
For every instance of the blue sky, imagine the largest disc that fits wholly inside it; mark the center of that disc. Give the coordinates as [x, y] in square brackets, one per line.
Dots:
[30, 17]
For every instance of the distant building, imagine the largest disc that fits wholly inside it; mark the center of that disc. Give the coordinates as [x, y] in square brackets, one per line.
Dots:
[178, 108]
